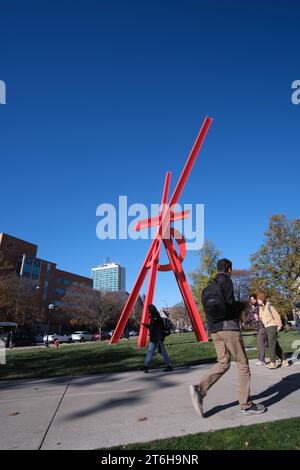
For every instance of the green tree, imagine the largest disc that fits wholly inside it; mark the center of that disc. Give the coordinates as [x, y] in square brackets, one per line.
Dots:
[275, 267]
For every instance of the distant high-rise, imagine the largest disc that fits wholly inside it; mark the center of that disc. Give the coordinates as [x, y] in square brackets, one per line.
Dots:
[109, 277]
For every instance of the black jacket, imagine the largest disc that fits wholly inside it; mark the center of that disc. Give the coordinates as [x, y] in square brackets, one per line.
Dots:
[156, 328]
[234, 308]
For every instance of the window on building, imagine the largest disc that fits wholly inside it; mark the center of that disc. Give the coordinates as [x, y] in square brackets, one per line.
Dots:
[59, 291]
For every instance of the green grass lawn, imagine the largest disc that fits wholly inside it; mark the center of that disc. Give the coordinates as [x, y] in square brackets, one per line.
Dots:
[102, 357]
[276, 435]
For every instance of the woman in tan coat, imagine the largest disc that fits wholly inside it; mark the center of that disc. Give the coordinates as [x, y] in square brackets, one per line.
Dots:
[273, 324]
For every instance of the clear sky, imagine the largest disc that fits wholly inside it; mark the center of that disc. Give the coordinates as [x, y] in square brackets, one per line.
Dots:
[104, 96]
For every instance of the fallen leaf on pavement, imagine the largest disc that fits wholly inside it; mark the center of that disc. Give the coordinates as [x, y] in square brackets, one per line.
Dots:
[144, 418]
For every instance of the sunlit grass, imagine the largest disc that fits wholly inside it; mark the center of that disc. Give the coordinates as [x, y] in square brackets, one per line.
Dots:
[276, 435]
[101, 357]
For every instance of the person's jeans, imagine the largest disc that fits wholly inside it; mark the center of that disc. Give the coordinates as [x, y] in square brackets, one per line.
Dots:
[262, 343]
[274, 347]
[227, 344]
[161, 349]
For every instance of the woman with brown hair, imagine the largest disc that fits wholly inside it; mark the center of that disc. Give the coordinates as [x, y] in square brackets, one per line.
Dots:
[273, 324]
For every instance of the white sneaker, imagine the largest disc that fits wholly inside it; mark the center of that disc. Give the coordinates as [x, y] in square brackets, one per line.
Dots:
[260, 363]
[254, 410]
[197, 399]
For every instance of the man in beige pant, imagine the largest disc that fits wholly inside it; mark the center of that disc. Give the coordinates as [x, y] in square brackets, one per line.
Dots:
[223, 312]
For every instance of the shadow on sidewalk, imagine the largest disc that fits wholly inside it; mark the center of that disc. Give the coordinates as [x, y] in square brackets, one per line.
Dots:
[127, 399]
[273, 394]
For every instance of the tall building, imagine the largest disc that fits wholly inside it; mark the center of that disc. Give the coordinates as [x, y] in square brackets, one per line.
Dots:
[48, 284]
[109, 277]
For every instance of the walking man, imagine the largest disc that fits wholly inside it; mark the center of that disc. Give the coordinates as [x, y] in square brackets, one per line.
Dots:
[223, 312]
[157, 337]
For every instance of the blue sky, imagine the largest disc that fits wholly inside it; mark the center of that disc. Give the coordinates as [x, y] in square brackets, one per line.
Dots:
[104, 97]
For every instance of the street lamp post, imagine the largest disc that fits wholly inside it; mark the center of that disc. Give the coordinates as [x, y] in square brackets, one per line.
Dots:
[163, 300]
[50, 308]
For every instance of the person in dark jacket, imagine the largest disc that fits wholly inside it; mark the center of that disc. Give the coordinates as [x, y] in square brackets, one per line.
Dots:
[157, 337]
[257, 324]
[228, 342]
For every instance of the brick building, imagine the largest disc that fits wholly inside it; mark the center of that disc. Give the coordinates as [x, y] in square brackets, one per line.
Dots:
[48, 284]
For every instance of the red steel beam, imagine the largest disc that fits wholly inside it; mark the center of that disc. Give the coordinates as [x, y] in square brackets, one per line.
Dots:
[152, 221]
[184, 176]
[139, 282]
[185, 291]
[143, 334]
[164, 225]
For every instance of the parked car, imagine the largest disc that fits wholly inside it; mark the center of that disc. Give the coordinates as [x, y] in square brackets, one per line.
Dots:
[133, 333]
[104, 336]
[182, 330]
[61, 338]
[82, 336]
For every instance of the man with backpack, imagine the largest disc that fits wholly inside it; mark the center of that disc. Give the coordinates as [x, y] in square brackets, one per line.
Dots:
[223, 312]
[158, 332]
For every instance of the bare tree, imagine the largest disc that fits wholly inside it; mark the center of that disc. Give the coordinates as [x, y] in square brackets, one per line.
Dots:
[241, 279]
[179, 315]
[94, 308]
[16, 299]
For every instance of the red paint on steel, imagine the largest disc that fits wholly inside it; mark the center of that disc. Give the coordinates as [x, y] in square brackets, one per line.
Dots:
[164, 235]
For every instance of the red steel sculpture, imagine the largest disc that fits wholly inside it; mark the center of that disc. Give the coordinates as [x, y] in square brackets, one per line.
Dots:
[165, 234]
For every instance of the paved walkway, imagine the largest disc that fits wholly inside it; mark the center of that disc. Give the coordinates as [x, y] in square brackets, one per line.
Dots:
[112, 409]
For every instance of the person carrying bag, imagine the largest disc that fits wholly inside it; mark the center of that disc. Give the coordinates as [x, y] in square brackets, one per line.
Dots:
[273, 324]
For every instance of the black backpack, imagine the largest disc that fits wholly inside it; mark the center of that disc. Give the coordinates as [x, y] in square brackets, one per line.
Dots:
[167, 326]
[214, 302]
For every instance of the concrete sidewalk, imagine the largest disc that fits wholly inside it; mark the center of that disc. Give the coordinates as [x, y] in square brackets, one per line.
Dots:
[112, 409]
